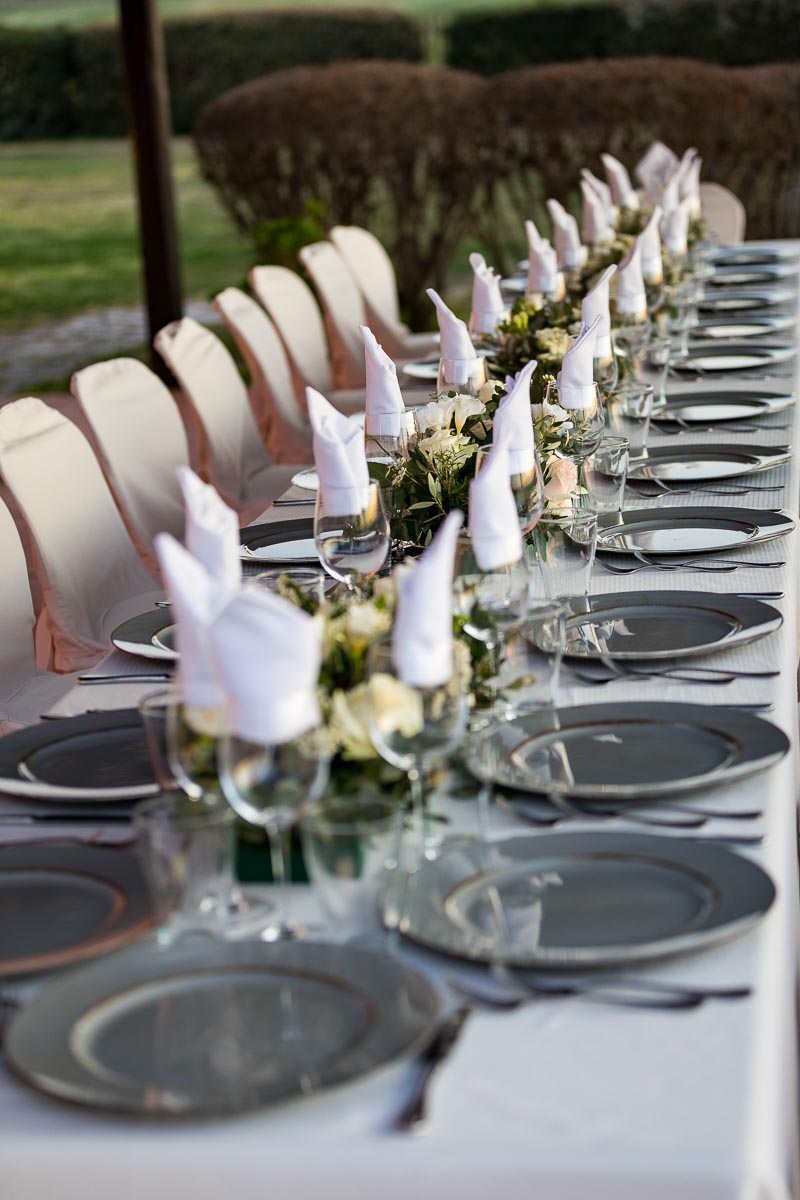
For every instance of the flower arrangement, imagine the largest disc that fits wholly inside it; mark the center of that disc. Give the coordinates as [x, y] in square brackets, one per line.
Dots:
[536, 331]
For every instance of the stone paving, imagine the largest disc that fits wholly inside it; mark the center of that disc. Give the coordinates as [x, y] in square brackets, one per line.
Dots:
[52, 350]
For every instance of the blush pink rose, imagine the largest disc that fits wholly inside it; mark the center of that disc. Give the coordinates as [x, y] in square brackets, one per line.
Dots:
[563, 479]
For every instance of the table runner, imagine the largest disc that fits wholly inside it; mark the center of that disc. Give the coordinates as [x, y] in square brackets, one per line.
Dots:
[562, 1099]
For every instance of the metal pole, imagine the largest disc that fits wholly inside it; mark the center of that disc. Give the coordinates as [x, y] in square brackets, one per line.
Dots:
[147, 91]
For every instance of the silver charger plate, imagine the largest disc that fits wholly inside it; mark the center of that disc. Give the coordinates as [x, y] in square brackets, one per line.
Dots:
[584, 900]
[292, 550]
[693, 463]
[743, 327]
[709, 356]
[691, 530]
[308, 479]
[711, 406]
[428, 369]
[148, 635]
[744, 274]
[739, 300]
[515, 284]
[748, 254]
[64, 902]
[198, 1031]
[672, 624]
[624, 751]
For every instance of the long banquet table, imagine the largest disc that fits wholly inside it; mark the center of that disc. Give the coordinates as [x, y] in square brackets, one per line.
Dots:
[559, 1099]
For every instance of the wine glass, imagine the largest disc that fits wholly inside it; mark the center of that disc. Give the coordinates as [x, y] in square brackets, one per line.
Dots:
[605, 369]
[270, 785]
[303, 585]
[527, 486]
[352, 546]
[463, 375]
[384, 441]
[582, 434]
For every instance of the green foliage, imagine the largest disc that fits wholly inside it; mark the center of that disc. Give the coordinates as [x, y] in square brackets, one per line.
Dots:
[35, 69]
[279, 240]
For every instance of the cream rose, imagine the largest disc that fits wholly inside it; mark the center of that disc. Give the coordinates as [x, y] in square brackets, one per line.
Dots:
[396, 708]
[364, 623]
[563, 479]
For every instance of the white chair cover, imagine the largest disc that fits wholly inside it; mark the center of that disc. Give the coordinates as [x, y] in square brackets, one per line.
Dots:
[238, 463]
[294, 310]
[723, 212]
[141, 440]
[282, 422]
[372, 269]
[25, 691]
[91, 576]
[344, 311]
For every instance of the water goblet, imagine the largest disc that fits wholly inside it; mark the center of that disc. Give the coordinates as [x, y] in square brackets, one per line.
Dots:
[582, 434]
[352, 546]
[607, 474]
[182, 743]
[564, 544]
[605, 370]
[464, 376]
[527, 486]
[304, 585]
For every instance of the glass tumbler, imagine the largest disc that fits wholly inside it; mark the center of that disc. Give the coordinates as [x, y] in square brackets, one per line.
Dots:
[607, 473]
[564, 543]
[628, 413]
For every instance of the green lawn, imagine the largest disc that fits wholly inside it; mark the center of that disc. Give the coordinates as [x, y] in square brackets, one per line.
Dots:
[69, 230]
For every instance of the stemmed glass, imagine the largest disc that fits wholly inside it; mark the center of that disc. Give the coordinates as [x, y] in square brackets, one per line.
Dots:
[605, 370]
[384, 444]
[631, 341]
[465, 376]
[352, 546]
[527, 486]
[270, 785]
[584, 432]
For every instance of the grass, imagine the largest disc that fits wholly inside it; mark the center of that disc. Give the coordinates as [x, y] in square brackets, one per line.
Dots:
[69, 230]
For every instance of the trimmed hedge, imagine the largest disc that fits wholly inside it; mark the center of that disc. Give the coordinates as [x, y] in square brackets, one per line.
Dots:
[732, 32]
[70, 83]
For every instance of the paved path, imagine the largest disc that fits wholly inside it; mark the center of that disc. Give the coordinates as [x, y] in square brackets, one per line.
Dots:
[52, 350]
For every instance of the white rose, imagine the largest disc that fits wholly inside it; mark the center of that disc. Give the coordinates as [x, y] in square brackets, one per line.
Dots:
[557, 414]
[384, 589]
[465, 407]
[396, 708]
[364, 623]
[563, 479]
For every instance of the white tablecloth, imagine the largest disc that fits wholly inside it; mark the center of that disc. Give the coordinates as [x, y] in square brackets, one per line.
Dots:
[561, 1100]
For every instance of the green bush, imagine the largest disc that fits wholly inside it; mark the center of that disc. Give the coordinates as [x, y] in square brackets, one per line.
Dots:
[71, 82]
[732, 32]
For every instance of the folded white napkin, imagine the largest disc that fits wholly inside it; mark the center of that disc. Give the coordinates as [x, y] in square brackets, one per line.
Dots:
[339, 457]
[513, 422]
[267, 654]
[690, 187]
[675, 228]
[457, 350]
[576, 378]
[650, 238]
[595, 225]
[422, 636]
[601, 190]
[493, 518]
[631, 296]
[196, 598]
[670, 195]
[544, 277]
[488, 308]
[595, 305]
[386, 412]
[622, 190]
[654, 168]
[212, 530]
[569, 249]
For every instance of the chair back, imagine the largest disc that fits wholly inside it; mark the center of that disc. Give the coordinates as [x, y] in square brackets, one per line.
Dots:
[17, 657]
[723, 212]
[87, 562]
[213, 386]
[295, 314]
[372, 269]
[141, 439]
[281, 421]
[344, 310]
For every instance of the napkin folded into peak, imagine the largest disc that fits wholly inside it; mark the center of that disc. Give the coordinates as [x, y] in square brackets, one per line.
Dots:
[675, 228]
[576, 385]
[595, 224]
[631, 296]
[570, 252]
[532, 234]
[544, 277]
[650, 239]
[690, 187]
[212, 530]
[622, 190]
[601, 190]
[488, 308]
[493, 518]
[196, 598]
[422, 636]
[513, 422]
[339, 456]
[267, 654]
[455, 340]
[655, 167]
[385, 415]
[595, 305]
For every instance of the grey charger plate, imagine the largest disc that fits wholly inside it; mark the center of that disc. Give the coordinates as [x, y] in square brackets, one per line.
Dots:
[62, 902]
[691, 530]
[197, 1031]
[694, 463]
[710, 356]
[723, 405]
[745, 274]
[585, 900]
[738, 300]
[150, 635]
[277, 542]
[733, 328]
[624, 751]
[754, 253]
[670, 624]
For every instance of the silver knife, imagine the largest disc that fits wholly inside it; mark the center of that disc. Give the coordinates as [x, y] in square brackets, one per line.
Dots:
[414, 1113]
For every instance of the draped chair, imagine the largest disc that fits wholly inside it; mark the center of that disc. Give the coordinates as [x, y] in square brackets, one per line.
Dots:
[236, 460]
[92, 578]
[724, 212]
[141, 441]
[344, 311]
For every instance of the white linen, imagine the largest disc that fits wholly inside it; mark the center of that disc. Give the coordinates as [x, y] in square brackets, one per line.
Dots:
[650, 241]
[458, 352]
[488, 307]
[595, 304]
[384, 400]
[513, 422]
[631, 295]
[290, 303]
[196, 598]
[595, 224]
[602, 191]
[212, 530]
[622, 190]
[675, 228]
[493, 519]
[655, 167]
[576, 377]
[422, 635]
[690, 188]
[267, 654]
[344, 310]
[570, 252]
[544, 278]
[339, 456]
